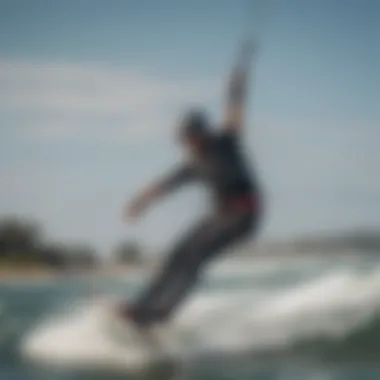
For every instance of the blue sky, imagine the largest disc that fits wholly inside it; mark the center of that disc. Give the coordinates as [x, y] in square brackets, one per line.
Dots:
[90, 92]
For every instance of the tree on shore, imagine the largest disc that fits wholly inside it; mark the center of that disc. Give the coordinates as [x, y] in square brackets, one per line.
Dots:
[55, 256]
[21, 241]
[128, 252]
[82, 255]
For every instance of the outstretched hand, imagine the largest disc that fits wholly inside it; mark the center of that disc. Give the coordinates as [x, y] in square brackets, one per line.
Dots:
[246, 54]
[133, 210]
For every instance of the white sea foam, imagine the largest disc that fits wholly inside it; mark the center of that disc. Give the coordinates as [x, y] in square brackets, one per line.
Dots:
[332, 303]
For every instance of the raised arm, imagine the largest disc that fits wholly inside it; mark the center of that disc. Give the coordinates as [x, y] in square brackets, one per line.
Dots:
[158, 189]
[237, 89]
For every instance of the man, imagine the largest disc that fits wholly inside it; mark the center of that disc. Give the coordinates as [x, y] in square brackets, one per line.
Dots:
[217, 161]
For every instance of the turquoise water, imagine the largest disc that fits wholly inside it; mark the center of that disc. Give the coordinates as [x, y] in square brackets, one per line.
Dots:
[315, 318]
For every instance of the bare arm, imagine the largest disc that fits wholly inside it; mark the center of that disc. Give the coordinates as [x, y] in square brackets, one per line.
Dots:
[237, 90]
[166, 184]
[159, 189]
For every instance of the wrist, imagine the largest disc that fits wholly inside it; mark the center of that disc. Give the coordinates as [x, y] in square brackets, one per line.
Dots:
[149, 195]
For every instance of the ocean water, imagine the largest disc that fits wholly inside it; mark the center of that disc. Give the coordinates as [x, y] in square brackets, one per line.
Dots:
[314, 318]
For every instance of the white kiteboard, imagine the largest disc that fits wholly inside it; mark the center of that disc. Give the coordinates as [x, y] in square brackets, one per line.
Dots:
[94, 338]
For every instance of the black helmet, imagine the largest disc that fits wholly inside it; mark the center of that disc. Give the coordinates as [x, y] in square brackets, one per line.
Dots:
[195, 124]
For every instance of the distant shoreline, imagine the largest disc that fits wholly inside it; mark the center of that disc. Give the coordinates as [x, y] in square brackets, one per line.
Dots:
[344, 244]
[32, 272]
